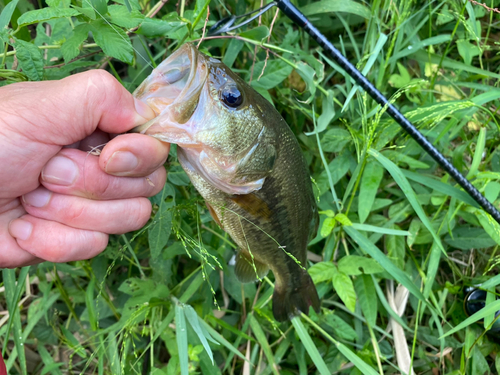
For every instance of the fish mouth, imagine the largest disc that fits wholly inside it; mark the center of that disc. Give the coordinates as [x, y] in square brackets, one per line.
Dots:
[172, 91]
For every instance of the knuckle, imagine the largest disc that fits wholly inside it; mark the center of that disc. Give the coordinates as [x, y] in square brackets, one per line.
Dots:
[143, 214]
[104, 188]
[74, 214]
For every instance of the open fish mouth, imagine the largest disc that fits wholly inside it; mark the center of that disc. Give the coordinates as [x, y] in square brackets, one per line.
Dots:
[173, 90]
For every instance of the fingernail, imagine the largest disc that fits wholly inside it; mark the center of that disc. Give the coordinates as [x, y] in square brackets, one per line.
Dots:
[144, 112]
[122, 162]
[20, 229]
[60, 171]
[37, 198]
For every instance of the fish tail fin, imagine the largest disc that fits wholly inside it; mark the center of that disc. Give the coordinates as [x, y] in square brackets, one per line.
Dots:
[291, 301]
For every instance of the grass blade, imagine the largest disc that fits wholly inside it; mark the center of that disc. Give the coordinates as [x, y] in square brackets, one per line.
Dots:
[310, 347]
[441, 187]
[261, 338]
[403, 183]
[181, 337]
[491, 308]
[373, 228]
[382, 259]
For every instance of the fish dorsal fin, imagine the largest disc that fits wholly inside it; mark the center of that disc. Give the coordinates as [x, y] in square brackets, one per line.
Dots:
[254, 205]
[249, 269]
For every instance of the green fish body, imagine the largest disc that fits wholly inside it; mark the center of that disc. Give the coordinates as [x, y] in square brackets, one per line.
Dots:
[246, 163]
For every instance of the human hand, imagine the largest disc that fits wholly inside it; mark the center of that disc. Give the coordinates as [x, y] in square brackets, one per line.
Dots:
[57, 203]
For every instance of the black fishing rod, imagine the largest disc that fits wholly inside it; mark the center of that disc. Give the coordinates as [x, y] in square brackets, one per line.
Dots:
[299, 19]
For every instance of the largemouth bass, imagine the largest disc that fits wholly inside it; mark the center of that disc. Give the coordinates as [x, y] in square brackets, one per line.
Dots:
[245, 162]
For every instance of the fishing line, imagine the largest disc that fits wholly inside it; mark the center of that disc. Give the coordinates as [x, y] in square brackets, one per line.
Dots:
[301, 20]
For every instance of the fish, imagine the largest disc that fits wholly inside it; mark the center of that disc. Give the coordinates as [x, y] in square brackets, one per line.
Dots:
[246, 163]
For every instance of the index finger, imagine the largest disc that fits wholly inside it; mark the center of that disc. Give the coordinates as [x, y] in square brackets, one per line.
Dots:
[66, 111]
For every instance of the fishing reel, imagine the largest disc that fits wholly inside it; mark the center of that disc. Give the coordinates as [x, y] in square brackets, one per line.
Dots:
[474, 301]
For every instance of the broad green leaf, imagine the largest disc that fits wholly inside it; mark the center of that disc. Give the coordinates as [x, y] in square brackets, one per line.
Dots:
[327, 226]
[357, 265]
[154, 27]
[408, 192]
[100, 6]
[258, 33]
[275, 72]
[367, 297]
[307, 73]
[489, 224]
[113, 41]
[30, 59]
[322, 271]
[121, 16]
[402, 79]
[87, 12]
[71, 47]
[233, 49]
[395, 247]
[45, 14]
[491, 191]
[343, 219]
[467, 238]
[338, 168]
[6, 14]
[335, 139]
[50, 367]
[370, 182]
[310, 346]
[467, 50]
[340, 327]
[342, 284]
[414, 230]
[159, 231]
[327, 6]
[327, 114]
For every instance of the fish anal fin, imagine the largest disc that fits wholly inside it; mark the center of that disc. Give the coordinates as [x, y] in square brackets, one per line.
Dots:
[214, 214]
[249, 269]
[291, 300]
[254, 205]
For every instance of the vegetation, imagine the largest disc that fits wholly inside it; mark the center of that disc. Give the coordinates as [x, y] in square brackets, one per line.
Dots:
[165, 300]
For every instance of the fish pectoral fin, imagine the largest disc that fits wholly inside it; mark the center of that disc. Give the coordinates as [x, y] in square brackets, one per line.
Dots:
[254, 205]
[249, 269]
[214, 215]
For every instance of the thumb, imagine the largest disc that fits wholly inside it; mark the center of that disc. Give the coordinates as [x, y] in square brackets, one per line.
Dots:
[66, 111]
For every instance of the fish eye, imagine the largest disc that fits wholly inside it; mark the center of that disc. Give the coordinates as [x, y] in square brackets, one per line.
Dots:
[231, 96]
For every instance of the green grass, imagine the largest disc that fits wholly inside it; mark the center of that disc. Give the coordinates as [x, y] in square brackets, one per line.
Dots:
[165, 300]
